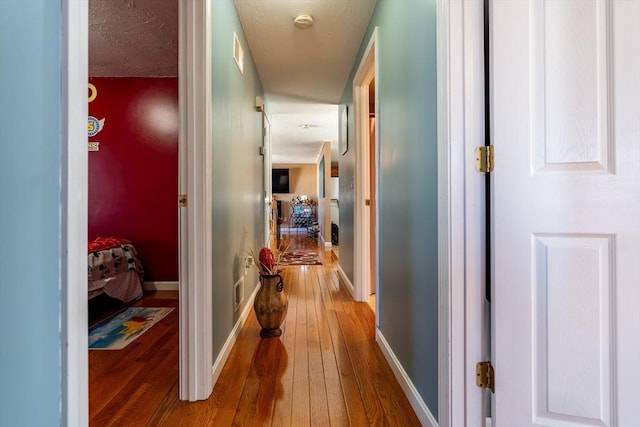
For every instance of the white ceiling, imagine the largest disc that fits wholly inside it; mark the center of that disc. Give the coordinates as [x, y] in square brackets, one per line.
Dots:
[303, 72]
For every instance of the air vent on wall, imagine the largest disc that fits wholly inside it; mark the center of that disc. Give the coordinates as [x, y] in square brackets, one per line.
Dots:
[238, 294]
[238, 54]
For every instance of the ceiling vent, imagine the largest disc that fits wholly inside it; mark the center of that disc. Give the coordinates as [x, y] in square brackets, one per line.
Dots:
[303, 21]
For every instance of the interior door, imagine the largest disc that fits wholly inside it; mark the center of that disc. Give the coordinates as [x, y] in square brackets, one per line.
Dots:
[566, 131]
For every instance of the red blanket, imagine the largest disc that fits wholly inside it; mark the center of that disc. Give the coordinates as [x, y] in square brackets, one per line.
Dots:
[102, 243]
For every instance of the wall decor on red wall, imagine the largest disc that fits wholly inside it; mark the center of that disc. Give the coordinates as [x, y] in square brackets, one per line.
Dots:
[133, 176]
[94, 125]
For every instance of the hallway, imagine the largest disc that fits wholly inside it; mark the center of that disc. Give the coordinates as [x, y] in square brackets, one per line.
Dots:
[325, 369]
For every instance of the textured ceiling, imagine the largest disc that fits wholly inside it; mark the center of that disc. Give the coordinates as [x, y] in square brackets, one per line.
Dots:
[133, 38]
[311, 64]
[303, 72]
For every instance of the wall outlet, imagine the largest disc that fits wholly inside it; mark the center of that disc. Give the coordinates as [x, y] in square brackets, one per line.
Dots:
[249, 261]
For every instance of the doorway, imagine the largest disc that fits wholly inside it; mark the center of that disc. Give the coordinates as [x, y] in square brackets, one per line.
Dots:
[270, 220]
[372, 193]
[194, 163]
[144, 113]
[364, 91]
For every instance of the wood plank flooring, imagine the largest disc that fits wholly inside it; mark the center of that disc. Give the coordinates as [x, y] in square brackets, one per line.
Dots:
[325, 369]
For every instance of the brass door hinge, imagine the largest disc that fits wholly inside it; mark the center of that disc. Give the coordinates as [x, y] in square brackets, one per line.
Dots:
[485, 376]
[484, 158]
[182, 200]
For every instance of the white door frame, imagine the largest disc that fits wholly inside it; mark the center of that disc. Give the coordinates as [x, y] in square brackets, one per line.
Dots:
[73, 215]
[460, 211]
[195, 180]
[268, 193]
[367, 70]
[195, 341]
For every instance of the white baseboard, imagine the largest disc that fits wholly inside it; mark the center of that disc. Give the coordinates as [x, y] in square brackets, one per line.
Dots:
[347, 282]
[216, 369]
[422, 411]
[327, 245]
[160, 286]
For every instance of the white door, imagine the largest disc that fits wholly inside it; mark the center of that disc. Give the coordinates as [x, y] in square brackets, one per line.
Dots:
[566, 200]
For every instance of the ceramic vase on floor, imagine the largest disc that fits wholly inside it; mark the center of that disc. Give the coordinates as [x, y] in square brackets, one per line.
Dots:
[271, 305]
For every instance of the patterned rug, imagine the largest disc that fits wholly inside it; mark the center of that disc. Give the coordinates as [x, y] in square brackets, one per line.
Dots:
[116, 332]
[299, 257]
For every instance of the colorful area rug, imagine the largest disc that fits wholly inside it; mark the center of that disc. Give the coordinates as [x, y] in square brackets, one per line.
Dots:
[298, 257]
[124, 327]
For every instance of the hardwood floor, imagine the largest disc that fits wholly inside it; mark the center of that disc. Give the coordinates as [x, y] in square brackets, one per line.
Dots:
[325, 369]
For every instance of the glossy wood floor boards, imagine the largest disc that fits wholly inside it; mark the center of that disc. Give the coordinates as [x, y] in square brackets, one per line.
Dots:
[325, 369]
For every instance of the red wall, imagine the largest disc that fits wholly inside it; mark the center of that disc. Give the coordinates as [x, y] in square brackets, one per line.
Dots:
[133, 179]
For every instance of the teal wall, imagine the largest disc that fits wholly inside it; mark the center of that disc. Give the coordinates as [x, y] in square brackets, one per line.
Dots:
[346, 183]
[407, 194]
[30, 152]
[238, 204]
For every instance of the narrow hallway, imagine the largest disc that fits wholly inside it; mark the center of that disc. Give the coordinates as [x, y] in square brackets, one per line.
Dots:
[325, 369]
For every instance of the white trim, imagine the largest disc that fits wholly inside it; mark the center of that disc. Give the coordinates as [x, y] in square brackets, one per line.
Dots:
[446, 339]
[74, 369]
[160, 286]
[346, 281]
[196, 320]
[419, 406]
[460, 210]
[268, 185]
[327, 245]
[469, 190]
[367, 70]
[216, 369]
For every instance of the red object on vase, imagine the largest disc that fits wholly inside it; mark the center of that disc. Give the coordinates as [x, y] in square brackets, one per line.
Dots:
[267, 260]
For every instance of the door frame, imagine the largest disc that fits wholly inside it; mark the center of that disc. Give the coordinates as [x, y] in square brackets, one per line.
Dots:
[195, 362]
[367, 70]
[460, 67]
[74, 368]
[268, 185]
[195, 180]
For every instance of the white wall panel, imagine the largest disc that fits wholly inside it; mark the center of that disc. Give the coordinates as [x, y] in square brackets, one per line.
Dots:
[572, 291]
[571, 87]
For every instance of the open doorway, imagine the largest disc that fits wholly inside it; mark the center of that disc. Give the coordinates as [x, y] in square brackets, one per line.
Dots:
[132, 168]
[372, 194]
[365, 106]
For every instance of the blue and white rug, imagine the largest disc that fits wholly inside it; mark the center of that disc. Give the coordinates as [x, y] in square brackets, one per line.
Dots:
[124, 327]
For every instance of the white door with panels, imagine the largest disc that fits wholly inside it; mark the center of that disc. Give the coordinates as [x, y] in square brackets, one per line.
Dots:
[566, 212]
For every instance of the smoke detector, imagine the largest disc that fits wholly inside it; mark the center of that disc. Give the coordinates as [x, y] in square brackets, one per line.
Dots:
[303, 21]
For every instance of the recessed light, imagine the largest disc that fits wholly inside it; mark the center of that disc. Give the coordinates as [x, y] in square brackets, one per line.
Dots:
[303, 21]
[305, 126]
